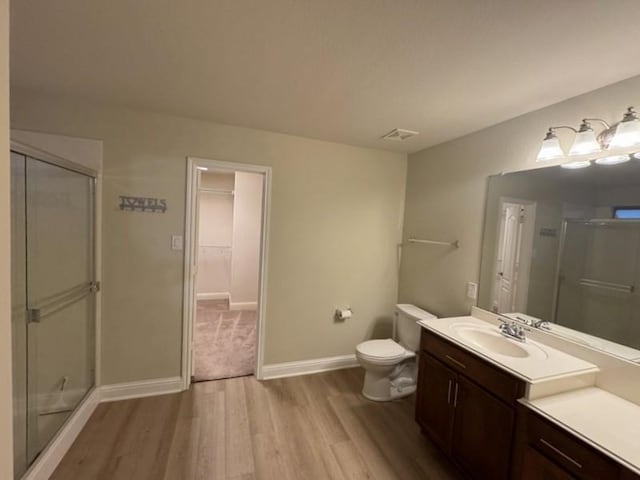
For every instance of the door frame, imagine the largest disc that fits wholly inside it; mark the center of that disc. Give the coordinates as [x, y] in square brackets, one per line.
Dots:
[190, 248]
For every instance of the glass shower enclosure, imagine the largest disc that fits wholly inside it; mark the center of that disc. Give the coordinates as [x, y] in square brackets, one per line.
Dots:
[53, 297]
[597, 278]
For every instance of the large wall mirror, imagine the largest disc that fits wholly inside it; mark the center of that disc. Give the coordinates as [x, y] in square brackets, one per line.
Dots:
[563, 246]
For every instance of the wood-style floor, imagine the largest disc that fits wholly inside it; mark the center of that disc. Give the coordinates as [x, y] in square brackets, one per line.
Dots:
[311, 427]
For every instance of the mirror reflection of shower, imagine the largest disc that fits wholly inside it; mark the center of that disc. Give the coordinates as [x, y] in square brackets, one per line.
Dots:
[597, 277]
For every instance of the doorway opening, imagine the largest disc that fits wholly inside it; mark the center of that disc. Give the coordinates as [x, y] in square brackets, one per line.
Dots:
[227, 212]
[516, 229]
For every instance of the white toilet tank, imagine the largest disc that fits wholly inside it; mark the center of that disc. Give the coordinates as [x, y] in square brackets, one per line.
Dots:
[406, 330]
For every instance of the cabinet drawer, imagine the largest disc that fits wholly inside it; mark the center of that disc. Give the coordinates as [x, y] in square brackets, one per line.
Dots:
[499, 383]
[568, 451]
[537, 466]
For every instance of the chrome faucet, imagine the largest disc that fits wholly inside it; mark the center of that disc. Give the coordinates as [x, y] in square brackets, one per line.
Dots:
[530, 322]
[512, 330]
[543, 324]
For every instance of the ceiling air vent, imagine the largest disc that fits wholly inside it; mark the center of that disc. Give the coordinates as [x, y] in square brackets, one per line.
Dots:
[399, 135]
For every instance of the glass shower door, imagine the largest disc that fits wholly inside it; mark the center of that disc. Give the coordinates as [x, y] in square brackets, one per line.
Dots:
[599, 278]
[19, 312]
[60, 300]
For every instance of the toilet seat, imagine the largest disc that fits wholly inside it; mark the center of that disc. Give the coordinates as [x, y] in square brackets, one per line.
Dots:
[382, 352]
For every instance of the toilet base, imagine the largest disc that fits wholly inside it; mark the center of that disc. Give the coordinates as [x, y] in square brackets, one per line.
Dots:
[383, 384]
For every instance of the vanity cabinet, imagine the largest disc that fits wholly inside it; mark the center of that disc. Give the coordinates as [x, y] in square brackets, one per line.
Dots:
[434, 411]
[467, 407]
[545, 451]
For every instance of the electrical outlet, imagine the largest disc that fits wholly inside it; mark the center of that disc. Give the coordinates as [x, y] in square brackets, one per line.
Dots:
[472, 290]
[176, 242]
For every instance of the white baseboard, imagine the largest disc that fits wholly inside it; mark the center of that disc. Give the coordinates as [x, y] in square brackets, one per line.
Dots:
[305, 367]
[212, 296]
[144, 388]
[242, 305]
[57, 448]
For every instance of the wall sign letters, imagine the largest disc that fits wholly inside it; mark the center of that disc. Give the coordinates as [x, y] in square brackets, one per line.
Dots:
[143, 204]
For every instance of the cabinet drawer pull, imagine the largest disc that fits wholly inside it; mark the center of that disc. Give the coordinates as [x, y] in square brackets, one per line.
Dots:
[458, 363]
[560, 452]
[449, 394]
[455, 396]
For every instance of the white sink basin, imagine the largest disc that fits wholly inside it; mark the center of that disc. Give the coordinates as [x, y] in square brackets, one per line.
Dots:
[492, 341]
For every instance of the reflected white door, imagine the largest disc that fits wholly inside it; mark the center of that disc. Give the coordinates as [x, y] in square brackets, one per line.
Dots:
[508, 258]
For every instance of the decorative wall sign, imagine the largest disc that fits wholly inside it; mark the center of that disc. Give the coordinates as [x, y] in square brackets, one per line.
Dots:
[548, 232]
[143, 204]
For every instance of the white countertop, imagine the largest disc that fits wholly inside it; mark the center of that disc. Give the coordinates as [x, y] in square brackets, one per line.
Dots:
[601, 419]
[551, 365]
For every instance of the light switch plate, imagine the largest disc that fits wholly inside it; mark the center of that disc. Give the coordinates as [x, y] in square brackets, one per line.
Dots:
[176, 242]
[472, 290]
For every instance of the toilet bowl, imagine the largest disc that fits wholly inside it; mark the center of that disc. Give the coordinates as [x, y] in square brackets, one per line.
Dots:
[390, 366]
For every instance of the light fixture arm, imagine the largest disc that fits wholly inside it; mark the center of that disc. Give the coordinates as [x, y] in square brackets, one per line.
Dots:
[552, 129]
[587, 120]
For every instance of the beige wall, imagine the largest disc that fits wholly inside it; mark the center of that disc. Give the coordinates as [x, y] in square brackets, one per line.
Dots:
[247, 225]
[446, 189]
[6, 413]
[336, 216]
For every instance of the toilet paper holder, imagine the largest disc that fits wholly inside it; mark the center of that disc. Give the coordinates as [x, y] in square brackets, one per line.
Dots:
[340, 315]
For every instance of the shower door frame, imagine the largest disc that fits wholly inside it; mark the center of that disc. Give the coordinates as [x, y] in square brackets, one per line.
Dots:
[190, 247]
[46, 461]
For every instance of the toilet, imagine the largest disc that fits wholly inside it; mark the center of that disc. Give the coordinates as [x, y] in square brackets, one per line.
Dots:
[390, 364]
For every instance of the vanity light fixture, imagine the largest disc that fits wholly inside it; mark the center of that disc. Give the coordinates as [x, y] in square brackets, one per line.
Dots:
[576, 164]
[628, 131]
[585, 141]
[551, 149]
[613, 159]
[612, 141]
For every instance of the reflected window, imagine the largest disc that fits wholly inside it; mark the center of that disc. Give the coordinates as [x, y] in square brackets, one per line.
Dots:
[626, 213]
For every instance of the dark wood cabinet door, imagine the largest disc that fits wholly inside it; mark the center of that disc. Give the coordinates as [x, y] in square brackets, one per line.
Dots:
[538, 467]
[434, 400]
[482, 432]
[628, 475]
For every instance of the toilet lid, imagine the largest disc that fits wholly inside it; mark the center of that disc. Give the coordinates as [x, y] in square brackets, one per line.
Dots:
[381, 349]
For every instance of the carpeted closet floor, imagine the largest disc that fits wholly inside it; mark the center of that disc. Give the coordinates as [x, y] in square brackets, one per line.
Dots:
[225, 341]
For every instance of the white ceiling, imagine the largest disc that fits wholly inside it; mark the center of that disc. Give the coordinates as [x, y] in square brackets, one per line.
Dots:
[341, 70]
